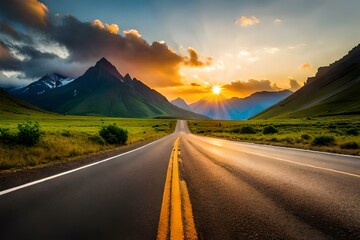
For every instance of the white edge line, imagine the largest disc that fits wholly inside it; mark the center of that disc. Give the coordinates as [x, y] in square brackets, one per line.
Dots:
[306, 165]
[281, 147]
[294, 162]
[73, 170]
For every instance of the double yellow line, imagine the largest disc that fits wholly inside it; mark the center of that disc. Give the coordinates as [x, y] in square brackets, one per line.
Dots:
[176, 218]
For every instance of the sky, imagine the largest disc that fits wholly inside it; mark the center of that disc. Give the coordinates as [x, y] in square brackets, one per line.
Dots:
[179, 48]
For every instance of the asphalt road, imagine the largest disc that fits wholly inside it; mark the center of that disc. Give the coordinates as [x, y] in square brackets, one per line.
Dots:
[249, 191]
[117, 199]
[237, 191]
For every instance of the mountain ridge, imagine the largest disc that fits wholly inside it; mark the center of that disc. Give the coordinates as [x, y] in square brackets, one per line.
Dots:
[103, 91]
[334, 90]
[219, 107]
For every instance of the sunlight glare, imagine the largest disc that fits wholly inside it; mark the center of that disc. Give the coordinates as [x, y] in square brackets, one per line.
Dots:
[216, 90]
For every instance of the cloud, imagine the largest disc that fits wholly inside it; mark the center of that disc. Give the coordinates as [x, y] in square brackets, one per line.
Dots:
[247, 21]
[112, 28]
[250, 86]
[29, 12]
[195, 84]
[132, 33]
[294, 85]
[271, 50]
[194, 61]
[97, 23]
[70, 46]
[277, 21]
[305, 66]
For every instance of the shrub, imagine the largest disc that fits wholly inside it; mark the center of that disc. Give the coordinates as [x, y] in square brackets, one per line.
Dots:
[113, 134]
[270, 130]
[352, 131]
[244, 130]
[349, 145]
[29, 133]
[247, 130]
[323, 140]
[305, 136]
[6, 136]
[97, 139]
[235, 130]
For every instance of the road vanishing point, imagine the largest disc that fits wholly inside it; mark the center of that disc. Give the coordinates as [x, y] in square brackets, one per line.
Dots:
[185, 186]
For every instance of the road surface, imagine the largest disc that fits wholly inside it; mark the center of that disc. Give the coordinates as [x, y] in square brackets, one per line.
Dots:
[250, 191]
[237, 191]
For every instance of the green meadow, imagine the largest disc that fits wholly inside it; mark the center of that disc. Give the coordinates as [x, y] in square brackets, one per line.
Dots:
[66, 138]
[338, 135]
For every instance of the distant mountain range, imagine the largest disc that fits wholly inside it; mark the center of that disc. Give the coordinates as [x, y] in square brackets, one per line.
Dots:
[41, 86]
[101, 91]
[335, 90]
[219, 107]
[179, 102]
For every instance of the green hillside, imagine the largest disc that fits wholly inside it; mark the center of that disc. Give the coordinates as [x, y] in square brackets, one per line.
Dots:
[103, 91]
[335, 90]
[11, 107]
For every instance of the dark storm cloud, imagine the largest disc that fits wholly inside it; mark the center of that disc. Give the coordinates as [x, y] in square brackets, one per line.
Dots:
[81, 44]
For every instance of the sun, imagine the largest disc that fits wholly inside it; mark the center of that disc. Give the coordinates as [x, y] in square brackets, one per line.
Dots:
[216, 90]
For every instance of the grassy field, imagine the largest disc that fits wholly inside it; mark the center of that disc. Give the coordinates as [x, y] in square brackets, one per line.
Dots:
[339, 135]
[68, 137]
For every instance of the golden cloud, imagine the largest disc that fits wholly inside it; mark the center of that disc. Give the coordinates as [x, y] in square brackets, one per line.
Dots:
[132, 32]
[294, 85]
[245, 88]
[194, 61]
[247, 21]
[97, 23]
[305, 66]
[111, 28]
[30, 12]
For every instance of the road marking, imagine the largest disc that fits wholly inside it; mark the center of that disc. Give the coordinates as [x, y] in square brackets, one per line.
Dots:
[73, 170]
[264, 145]
[190, 230]
[306, 165]
[176, 219]
[302, 164]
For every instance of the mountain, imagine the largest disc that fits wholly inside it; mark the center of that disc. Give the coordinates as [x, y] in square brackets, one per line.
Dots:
[41, 86]
[10, 106]
[335, 90]
[218, 107]
[103, 91]
[180, 103]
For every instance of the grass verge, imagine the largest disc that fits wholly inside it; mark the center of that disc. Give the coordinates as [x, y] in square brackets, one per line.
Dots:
[66, 138]
[337, 135]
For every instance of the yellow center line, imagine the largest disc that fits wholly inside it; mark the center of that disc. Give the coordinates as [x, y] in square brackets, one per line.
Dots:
[176, 225]
[176, 219]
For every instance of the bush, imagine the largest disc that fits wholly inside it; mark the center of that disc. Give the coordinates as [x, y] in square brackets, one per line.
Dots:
[247, 130]
[323, 140]
[29, 133]
[244, 130]
[270, 130]
[349, 145]
[305, 136]
[6, 136]
[97, 139]
[113, 134]
[352, 131]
